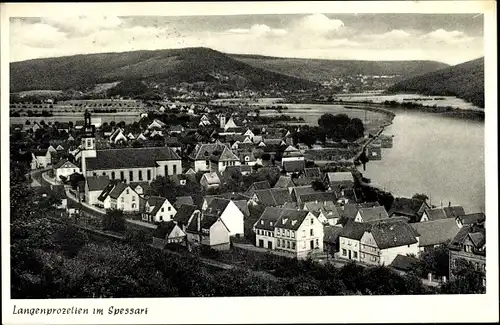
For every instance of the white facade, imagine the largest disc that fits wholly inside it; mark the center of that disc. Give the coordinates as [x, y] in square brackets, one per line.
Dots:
[164, 214]
[233, 219]
[371, 254]
[349, 248]
[66, 170]
[128, 201]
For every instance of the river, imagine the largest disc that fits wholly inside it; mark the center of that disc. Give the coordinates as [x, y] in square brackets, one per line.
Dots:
[440, 156]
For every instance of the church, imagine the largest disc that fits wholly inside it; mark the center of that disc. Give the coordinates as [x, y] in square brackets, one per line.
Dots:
[126, 164]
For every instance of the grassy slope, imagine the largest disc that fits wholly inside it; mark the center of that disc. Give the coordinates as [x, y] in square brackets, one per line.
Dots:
[318, 70]
[170, 66]
[464, 81]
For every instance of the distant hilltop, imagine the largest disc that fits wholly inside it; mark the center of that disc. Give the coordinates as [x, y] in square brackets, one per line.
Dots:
[465, 80]
[132, 72]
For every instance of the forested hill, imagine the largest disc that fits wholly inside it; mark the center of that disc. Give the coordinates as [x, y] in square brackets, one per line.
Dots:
[322, 70]
[464, 81]
[171, 66]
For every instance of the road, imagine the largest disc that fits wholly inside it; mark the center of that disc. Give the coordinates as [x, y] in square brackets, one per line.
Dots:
[36, 177]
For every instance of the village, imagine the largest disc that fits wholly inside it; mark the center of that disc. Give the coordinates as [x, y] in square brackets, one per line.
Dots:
[194, 176]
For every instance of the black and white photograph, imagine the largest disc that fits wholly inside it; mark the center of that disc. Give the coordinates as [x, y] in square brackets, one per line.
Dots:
[212, 154]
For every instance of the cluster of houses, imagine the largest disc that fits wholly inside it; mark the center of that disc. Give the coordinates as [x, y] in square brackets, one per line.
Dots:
[306, 211]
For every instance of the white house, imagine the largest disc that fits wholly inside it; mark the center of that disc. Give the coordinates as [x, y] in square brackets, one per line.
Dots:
[229, 213]
[156, 124]
[65, 168]
[208, 230]
[42, 158]
[122, 197]
[158, 209]
[385, 240]
[371, 214]
[94, 185]
[295, 232]
[118, 136]
[349, 240]
[168, 233]
[210, 180]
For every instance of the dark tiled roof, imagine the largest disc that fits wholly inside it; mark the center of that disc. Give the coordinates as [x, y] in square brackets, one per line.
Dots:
[146, 188]
[457, 241]
[404, 263]
[284, 182]
[373, 214]
[312, 172]
[294, 166]
[184, 213]
[454, 211]
[105, 192]
[97, 183]
[217, 206]
[273, 196]
[393, 234]
[64, 161]
[472, 218]
[354, 230]
[406, 206]
[157, 202]
[331, 234]
[302, 180]
[436, 232]
[317, 196]
[261, 185]
[268, 219]
[130, 158]
[435, 214]
[180, 200]
[243, 207]
[291, 219]
[117, 190]
[478, 238]
[164, 229]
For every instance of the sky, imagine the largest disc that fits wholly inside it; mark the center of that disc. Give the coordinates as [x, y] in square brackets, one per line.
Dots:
[448, 38]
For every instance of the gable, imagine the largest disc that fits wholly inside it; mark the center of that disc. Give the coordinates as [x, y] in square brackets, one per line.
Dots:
[368, 239]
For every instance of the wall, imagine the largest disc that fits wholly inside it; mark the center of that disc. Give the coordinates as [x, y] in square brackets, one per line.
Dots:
[265, 238]
[91, 197]
[126, 173]
[353, 247]
[166, 215]
[233, 219]
[130, 201]
[160, 170]
[66, 172]
[388, 255]
[218, 233]
[200, 165]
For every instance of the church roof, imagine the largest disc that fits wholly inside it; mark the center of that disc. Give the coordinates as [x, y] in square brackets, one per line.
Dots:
[130, 158]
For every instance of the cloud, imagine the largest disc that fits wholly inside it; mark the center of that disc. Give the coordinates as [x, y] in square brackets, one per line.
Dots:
[38, 34]
[451, 37]
[81, 26]
[319, 23]
[395, 33]
[259, 30]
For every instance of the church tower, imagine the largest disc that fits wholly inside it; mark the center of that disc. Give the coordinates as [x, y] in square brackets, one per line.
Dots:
[88, 142]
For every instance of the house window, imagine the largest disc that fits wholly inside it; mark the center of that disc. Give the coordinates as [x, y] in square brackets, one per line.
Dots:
[293, 234]
[373, 258]
[128, 192]
[293, 245]
[112, 175]
[162, 209]
[123, 199]
[344, 252]
[317, 242]
[287, 244]
[312, 221]
[133, 198]
[94, 174]
[169, 208]
[122, 176]
[303, 233]
[149, 174]
[131, 176]
[349, 243]
[262, 222]
[312, 232]
[355, 254]
[140, 175]
[103, 173]
[278, 243]
[161, 218]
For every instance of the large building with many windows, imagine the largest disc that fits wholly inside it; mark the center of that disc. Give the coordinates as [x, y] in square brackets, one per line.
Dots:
[126, 164]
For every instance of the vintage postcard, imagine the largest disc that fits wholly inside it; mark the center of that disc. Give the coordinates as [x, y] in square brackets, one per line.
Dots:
[242, 162]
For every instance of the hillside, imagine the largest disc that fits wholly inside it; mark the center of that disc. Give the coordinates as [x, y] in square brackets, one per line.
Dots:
[464, 81]
[322, 70]
[169, 67]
